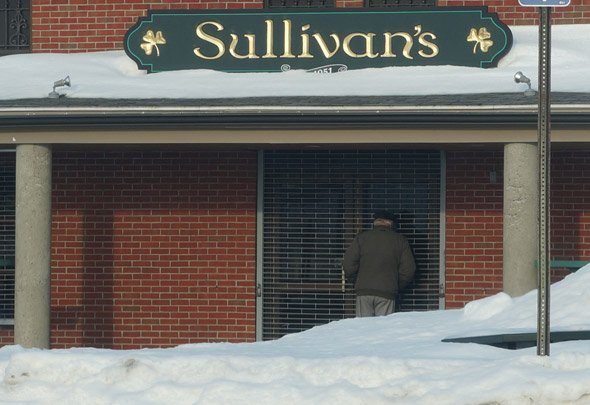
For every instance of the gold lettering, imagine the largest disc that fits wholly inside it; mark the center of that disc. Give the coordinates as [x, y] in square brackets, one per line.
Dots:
[327, 52]
[269, 40]
[211, 39]
[355, 45]
[422, 40]
[368, 45]
[409, 43]
[388, 52]
[305, 43]
[287, 40]
[251, 47]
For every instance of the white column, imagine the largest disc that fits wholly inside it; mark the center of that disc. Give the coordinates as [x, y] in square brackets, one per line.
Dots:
[33, 246]
[521, 208]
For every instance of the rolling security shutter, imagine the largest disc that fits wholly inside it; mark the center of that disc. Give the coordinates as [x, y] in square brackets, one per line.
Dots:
[7, 234]
[315, 202]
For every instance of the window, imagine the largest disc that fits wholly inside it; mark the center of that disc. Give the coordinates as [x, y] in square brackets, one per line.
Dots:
[299, 3]
[315, 202]
[400, 3]
[15, 26]
[7, 235]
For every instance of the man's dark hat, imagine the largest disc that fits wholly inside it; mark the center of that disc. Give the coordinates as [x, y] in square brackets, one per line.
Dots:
[383, 214]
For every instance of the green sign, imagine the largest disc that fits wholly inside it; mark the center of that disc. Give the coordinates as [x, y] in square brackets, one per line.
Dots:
[323, 41]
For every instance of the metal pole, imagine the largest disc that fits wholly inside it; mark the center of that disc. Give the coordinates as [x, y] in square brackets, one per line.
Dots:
[544, 143]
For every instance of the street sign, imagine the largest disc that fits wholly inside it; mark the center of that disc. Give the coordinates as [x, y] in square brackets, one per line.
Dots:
[544, 3]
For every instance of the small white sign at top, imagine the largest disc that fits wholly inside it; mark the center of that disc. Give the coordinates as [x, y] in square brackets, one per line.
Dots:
[544, 3]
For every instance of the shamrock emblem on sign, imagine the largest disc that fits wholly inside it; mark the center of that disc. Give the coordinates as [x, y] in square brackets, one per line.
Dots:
[152, 41]
[481, 38]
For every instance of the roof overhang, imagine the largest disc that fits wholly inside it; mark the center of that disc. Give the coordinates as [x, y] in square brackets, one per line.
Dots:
[290, 121]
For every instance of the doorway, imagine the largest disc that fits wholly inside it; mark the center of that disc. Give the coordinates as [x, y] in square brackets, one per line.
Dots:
[315, 202]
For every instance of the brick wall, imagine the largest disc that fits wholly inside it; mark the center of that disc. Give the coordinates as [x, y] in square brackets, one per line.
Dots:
[511, 13]
[474, 220]
[570, 207]
[6, 335]
[153, 249]
[7, 229]
[86, 25]
[474, 226]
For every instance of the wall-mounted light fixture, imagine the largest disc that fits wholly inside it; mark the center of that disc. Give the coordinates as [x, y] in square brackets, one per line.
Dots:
[60, 83]
[519, 77]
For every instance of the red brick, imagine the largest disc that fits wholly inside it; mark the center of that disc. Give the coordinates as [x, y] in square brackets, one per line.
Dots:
[111, 19]
[127, 284]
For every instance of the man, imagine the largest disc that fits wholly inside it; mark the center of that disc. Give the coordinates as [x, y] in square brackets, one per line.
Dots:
[381, 263]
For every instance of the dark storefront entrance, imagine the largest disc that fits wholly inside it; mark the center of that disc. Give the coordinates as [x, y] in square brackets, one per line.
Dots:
[7, 229]
[315, 202]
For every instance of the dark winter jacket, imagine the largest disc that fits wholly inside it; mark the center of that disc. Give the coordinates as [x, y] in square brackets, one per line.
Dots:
[381, 262]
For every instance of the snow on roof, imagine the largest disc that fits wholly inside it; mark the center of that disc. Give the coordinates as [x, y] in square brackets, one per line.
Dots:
[112, 75]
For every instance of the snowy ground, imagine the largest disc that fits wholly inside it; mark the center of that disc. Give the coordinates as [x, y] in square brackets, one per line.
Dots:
[113, 75]
[398, 359]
